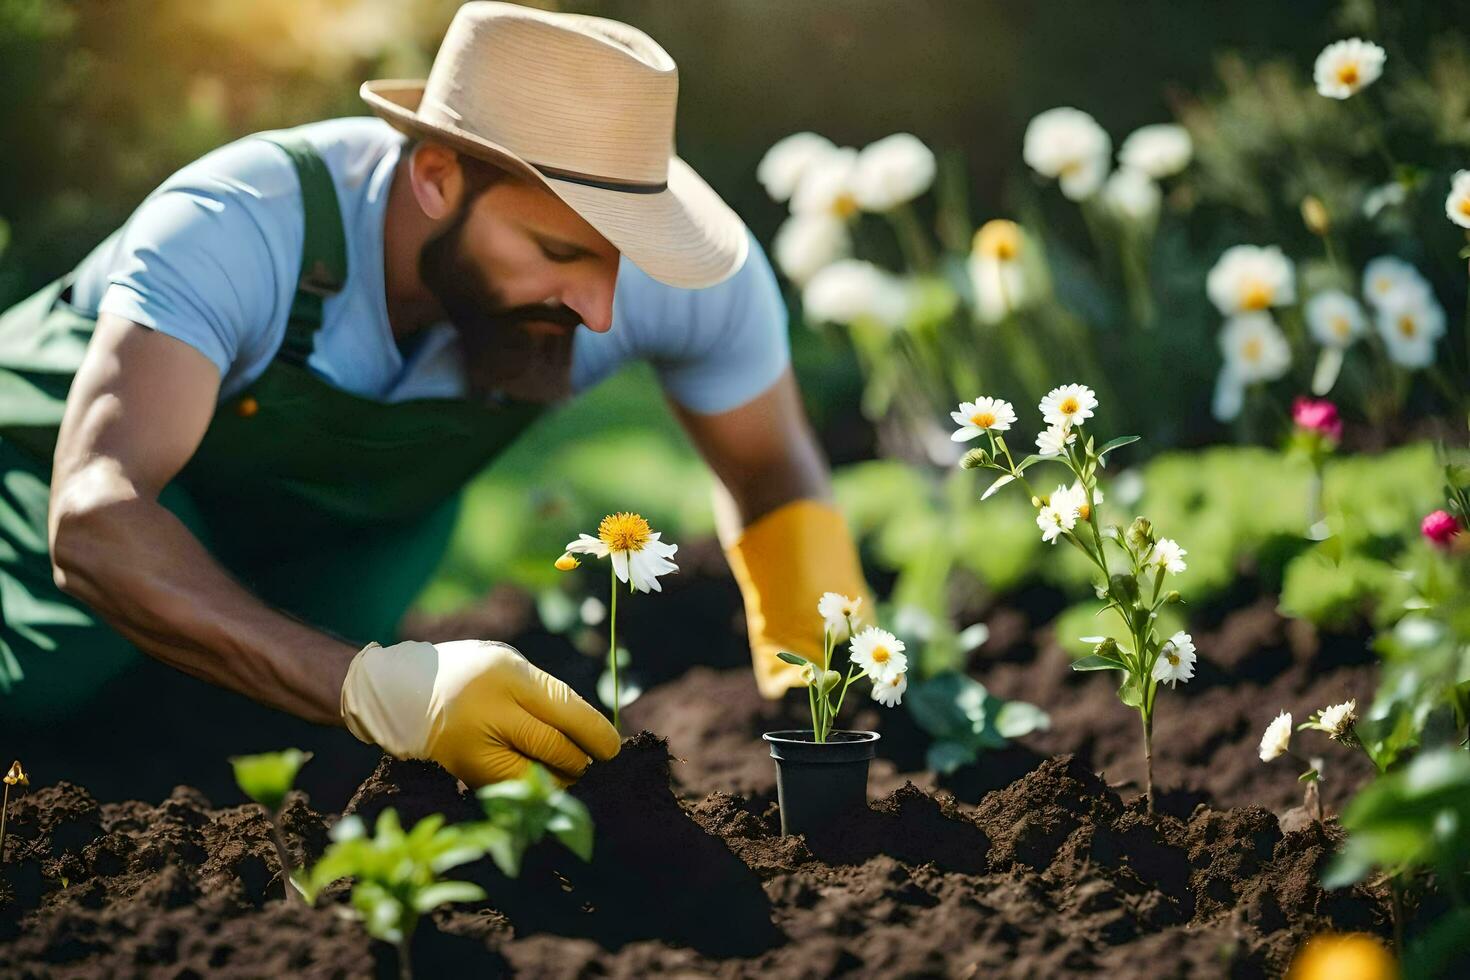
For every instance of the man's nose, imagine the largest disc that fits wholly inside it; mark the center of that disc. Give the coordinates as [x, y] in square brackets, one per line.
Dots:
[594, 304]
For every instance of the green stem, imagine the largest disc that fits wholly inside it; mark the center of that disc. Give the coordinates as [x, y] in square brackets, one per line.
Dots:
[405, 967]
[1148, 753]
[612, 641]
[292, 895]
[4, 811]
[1396, 908]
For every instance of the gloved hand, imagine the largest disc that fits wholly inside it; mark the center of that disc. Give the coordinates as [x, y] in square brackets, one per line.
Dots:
[783, 563]
[478, 708]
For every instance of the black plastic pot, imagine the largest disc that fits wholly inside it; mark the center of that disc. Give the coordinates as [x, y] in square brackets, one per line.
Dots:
[817, 782]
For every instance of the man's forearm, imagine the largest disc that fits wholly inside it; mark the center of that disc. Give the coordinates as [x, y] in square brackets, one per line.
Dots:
[139, 567]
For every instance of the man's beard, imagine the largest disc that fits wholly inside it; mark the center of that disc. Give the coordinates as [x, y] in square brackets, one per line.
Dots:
[500, 353]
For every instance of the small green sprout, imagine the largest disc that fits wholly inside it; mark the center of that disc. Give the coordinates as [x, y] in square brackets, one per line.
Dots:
[15, 776]
[519, 812]
[267, 778]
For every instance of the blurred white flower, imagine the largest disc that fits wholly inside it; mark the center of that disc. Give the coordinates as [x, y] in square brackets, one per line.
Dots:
[1345, 68]
[982, 415]
[1068, 405]
[889, 693]
[807, 243]
[1254, 347]
[1335, 318]
[996, 271]
[1132, 194]
[1411, 323]
[1160, 150]
[826, 185]
[879, 653]
[1277, 738]
[1167, 555]
[850, 290]
[781, 169]
[836, 610]
[1067, 144]
[1457, 205]
[892, 171]
[1176, 660]
[1053, 439]
[1247, 278]
[1337, 720]
[1389, 279]
[1053, 521]
[1388, 195]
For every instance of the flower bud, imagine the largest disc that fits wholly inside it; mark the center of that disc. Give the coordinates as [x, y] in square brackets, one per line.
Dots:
[567, 562]
[809, 674]
[1107, 648]
[974, 459]
[1037, 502]
[1315, 217]
[1124, 586]
[1140, 534]
[1173, 597]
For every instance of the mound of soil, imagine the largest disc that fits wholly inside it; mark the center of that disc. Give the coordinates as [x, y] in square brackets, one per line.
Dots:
[1052, 876]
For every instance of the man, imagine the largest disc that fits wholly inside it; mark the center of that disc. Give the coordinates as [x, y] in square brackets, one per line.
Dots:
[234, 437]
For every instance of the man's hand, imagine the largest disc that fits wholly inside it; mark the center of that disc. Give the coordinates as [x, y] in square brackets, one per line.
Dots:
[479, 709]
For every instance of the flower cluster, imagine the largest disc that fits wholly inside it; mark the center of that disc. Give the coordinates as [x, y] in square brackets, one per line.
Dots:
[1336, 721]
[1134, 591]
[873, 653]
[1067, 145]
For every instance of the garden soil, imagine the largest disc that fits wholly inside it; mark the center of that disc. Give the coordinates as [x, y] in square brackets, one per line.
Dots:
[1040, 861]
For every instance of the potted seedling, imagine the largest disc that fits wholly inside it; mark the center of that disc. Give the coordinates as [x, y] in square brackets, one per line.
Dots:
[267, 778]
[822, 772]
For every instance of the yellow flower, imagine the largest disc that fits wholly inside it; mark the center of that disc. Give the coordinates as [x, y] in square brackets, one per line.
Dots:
[567, 562]
[16, 775]
[999, 240]
[1354, 956]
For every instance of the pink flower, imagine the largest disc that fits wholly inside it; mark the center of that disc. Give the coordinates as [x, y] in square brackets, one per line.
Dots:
[1317, 415]
[1440, 527]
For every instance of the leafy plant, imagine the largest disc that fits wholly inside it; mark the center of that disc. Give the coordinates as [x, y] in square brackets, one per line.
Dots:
[267, 778]
[873, 653]
[520, 812]
[965, 720]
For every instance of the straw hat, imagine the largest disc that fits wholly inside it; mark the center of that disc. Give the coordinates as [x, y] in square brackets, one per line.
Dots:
[585, 107]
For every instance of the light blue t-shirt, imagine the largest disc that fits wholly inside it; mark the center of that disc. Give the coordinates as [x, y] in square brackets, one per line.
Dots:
[212, 258]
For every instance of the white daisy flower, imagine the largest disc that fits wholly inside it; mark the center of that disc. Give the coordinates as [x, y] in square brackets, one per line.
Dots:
[1277, 738]
[1254, 347]
[1053, 521]
[1335, 318]
[879, 653]
[1249, 278]
[836, 609]
[1457, 205]
[1132, 195]
[850, 290]
[637, 553]
[1074, 498]
[1176, 658]
[1411, 325]
[806, 244]
[996, 271]
[889, 693]
[1389, 195]
[1068, 405]
[1167, 554]
[1068, 145]
[787, 161]
[892, 171]
[826, 185]
[1160, 150]
[1053, 440]
[1337, 720]
[982, 415]
[1389, 279]
[1345, 68]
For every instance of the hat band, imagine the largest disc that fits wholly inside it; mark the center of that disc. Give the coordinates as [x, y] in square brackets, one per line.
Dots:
[605, 183]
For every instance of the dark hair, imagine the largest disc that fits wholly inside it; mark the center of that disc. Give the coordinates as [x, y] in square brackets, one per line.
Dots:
[479, 175]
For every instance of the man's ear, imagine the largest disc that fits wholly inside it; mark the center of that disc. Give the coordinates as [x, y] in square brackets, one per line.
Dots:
[436, 179]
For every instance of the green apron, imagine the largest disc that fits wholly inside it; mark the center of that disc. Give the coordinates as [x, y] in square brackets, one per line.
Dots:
[332, 507]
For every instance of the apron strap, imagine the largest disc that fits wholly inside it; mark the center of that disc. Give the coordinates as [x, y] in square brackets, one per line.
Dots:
[324, 249]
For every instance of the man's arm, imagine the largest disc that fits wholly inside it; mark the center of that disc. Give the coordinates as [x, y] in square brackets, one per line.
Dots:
[136, 413]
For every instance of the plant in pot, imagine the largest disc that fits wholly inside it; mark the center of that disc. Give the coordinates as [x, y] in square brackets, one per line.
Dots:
[822, 772]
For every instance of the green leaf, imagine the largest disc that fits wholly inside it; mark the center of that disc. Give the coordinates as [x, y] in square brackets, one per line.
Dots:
[996, 486]
[1111, 444]
[572, 825]
[1131, 691]
[1017, 718]
[1094, 662]
[267, 778]
[945, 757]
[792, 658]
[430, 897]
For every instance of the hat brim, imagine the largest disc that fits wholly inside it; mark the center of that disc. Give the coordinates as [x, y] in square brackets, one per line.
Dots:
[683, 236]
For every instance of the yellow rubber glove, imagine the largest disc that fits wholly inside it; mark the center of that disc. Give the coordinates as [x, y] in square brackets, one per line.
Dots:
[784, 562]
[479, 709]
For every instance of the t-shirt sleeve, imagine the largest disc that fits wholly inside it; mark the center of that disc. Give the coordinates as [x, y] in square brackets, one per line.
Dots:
[200, 260]
[717, 348]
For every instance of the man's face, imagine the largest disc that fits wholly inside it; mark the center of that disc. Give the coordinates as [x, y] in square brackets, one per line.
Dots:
[516, 257]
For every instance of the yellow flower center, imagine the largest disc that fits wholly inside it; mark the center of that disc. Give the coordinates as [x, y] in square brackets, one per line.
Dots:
[1407, 326]
[1069, 405]
[1341, 327]
[1251, 350]
[844, 205]
[999, 240]
[982, 420]
[1255, 296]
[624, 532]
[1083, 511]
[1173, 658]
[1382, 285]
[880, 655]
[1347, 73]
[1465, 205]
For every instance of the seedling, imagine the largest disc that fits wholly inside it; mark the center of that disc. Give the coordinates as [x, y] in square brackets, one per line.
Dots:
[266, 779]
[1135, 591]
[15, 776]
[520, 812]
[873, 653]
[638, 558]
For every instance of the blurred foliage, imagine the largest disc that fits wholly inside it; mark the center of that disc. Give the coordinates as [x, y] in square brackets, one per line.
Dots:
[965, 720]
[267, 777]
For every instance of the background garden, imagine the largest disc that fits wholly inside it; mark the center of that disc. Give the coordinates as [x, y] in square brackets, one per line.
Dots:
[1102, 258]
